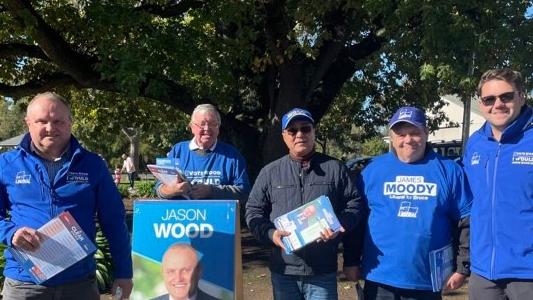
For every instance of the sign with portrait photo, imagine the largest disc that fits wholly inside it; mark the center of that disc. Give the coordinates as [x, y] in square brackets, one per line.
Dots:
[186, 249]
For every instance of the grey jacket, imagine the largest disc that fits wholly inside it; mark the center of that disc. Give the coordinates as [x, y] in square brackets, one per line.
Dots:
[284, 185]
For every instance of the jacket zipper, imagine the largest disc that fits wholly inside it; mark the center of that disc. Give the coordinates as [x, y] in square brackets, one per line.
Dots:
[493, 200]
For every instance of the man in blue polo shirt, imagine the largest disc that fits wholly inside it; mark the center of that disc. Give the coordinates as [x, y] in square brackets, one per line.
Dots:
[418, 201]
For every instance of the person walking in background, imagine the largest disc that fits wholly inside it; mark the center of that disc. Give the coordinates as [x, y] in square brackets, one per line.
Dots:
[419, 201]
[214, 169]
[498, 161]
[288, 183]
[50, 173]
[129, 167]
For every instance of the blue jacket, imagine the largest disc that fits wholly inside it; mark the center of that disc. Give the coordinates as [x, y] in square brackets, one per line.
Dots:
[83, 187]
[501, 179]
[414, 209]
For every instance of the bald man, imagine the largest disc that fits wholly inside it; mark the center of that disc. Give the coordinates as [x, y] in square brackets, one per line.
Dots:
[181, 273]
[47, 174]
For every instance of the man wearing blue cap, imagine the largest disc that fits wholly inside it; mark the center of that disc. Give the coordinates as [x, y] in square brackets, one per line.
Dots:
[288, 183]
[418, 202]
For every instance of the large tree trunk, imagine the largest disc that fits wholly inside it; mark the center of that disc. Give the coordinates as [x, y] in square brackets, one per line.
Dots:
[133, 137]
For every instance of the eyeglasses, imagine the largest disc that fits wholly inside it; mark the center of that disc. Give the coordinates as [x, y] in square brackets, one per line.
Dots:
[303, 129]
[209, 125]
[505, 98]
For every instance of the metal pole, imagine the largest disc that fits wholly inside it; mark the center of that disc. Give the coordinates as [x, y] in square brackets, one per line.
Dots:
[467, 102]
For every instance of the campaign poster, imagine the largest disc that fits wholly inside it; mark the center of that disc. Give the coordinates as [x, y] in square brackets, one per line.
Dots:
[185, 248]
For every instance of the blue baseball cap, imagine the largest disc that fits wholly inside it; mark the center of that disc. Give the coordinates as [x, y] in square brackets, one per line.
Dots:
[411, 115]
[296, 114]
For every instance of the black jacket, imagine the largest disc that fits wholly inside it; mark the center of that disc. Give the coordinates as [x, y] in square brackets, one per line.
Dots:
[284, 185]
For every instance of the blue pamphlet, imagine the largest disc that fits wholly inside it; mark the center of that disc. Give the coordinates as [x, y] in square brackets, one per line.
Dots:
[306, 222]
[441, 266]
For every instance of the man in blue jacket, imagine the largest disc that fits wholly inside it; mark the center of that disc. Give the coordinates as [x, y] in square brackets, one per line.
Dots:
[50, 173]
[498, 162]
[419, 202]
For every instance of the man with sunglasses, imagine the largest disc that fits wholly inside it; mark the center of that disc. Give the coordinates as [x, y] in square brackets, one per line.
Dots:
[288, 183]
[419, 202]
[498, 162]
[215, 170]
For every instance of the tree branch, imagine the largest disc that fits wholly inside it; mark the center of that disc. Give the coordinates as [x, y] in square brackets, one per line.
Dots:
[276, 27]
[18, 50]
[54, 46]
[171, 10]
[341, 71]
[37, 85]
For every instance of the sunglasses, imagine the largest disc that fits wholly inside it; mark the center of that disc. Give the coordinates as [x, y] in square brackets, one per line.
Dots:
[303, 129]
[504, 98]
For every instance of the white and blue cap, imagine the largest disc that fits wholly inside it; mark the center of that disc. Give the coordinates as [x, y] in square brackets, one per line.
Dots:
[411, 115]
[296, 114]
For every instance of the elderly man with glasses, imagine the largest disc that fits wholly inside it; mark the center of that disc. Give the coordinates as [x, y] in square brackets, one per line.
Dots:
[288, 183]
[498, 162]
[215, 170]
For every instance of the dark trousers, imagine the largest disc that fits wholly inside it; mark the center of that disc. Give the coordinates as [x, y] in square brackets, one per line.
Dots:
[131, 178]
[480, 288]
[80, 290]
[377, 291]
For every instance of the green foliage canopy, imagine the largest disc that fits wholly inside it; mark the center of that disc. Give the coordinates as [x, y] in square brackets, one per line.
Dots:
[257, 59]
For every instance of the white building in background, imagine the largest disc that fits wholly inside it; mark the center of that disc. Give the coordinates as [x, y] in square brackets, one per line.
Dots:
[453, 109]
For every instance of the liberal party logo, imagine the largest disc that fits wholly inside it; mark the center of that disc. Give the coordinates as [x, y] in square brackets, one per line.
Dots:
[80, 177]
[22, 178]
[475, 159]
[522, 158]
[405, 113]
[407, 210]
[410, 187]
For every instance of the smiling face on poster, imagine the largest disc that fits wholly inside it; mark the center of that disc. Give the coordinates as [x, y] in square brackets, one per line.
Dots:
[184, 249]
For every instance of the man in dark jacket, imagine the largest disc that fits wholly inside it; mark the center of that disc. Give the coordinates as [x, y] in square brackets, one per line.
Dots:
[288, 183]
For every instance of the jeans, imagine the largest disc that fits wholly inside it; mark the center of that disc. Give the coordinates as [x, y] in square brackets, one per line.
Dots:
[314, 287]
[377, 291]
[81, 290]
[131, 178]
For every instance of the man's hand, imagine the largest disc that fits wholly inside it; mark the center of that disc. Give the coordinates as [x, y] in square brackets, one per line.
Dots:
[27, 239]
[125, 285]
[276, 238]
[175, 189]
[352, 273]
[328, 234]
[455, 281]
[201, 191]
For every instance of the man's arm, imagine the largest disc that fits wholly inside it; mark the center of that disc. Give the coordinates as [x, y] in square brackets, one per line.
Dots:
[111, 216]
[354, 208]
[462, 245]
[239, 188]
[7, 228]
[258, 210]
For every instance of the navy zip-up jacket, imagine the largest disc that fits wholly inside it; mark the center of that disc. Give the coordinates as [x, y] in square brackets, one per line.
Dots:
[83, 186]
[285, 185]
